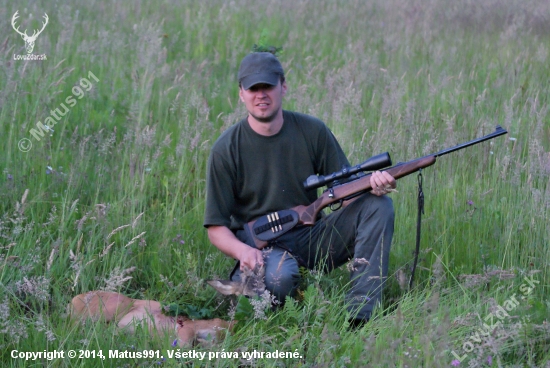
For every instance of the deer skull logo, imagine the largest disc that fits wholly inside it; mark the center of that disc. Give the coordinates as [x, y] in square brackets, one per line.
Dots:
[29, 40]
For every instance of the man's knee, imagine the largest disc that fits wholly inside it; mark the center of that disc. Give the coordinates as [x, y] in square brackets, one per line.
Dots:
[378, 206]
[385, 207]
[281, 275]
[281, 286]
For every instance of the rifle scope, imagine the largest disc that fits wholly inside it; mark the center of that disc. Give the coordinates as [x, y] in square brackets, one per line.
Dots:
[374, 163]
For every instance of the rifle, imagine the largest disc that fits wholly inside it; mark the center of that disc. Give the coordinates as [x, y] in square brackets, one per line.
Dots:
[273, 225]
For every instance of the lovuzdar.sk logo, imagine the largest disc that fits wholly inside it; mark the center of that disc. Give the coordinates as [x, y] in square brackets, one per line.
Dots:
[29, 40]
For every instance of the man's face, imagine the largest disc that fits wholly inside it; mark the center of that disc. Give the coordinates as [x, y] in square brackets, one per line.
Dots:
[263, 101]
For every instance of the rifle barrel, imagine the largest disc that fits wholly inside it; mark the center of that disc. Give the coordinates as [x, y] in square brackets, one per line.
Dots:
[498, 131]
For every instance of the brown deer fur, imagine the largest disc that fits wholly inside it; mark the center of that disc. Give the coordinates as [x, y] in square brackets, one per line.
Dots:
[125, 312]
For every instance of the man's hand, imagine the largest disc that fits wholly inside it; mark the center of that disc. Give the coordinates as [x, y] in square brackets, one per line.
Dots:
[382, 183]
[251, 257]
[227, 242]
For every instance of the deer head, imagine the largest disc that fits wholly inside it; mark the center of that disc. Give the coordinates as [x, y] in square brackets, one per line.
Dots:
[251, 284]
[29, 40]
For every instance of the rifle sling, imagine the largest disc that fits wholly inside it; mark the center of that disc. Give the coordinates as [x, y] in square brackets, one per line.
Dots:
[418, 226]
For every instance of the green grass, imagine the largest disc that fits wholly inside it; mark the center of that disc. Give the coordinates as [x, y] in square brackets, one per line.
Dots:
[408, 77]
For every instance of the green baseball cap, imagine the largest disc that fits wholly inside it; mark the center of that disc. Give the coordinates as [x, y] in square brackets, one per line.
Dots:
[260, 67]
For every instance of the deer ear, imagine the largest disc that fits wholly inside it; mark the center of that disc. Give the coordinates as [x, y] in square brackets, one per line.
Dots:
[224, 286]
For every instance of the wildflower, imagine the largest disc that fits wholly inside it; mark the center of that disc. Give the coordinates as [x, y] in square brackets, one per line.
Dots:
[41, 326]
[490, 358]
[16, 330]
[118, 278]
[179, 239]
[35, 286]
[262, 303]
[175, 343]
[455, 363]
[470, 202]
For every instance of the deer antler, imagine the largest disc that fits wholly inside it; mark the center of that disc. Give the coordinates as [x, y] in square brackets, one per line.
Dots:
[15, 16]
[24, 34]
[44, 24]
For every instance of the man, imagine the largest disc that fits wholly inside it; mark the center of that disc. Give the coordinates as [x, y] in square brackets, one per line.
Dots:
[258, 166]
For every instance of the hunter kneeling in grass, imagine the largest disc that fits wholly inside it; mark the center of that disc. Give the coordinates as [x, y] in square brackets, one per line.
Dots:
[259, 165]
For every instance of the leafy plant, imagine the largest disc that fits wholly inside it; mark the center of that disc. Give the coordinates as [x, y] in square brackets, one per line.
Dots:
[189, 310]
[264, 45]
[244, 311]
[264, 48]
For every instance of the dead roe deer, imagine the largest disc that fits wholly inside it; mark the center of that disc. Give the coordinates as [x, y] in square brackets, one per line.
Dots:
[125, 312]
[114, 307]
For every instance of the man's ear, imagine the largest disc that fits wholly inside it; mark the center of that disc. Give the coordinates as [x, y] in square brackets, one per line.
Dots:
[283, 88]
[241, 94]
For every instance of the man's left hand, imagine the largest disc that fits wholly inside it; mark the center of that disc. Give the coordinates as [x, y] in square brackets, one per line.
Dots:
[382, 183]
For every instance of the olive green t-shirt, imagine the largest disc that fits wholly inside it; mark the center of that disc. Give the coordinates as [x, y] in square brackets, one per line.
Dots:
[250, 175]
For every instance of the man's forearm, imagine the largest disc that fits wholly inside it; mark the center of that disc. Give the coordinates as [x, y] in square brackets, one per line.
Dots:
[224, 239]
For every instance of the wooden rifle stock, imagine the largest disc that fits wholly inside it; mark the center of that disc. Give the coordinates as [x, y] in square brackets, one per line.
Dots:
[273, 225]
